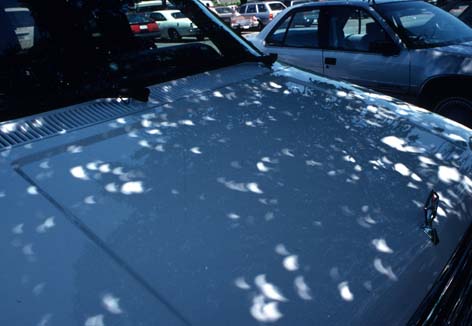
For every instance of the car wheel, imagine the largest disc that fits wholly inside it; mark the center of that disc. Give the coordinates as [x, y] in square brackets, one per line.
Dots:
[173, 35]
[456, 108]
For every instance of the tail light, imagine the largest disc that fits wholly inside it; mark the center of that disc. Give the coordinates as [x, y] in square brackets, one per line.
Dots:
[135, 28]
[153, 27]
[271, 15]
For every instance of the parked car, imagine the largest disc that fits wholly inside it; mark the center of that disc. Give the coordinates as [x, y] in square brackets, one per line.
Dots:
[148, 6]
[409, 49]
[264, 11]
[175, 25]
[143, 27]
[460, 9]
[203, 183]
[235, 20]
[290, 3]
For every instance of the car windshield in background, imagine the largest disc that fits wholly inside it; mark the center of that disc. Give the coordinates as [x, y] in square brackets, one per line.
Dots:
[60, 53]
[422, 25]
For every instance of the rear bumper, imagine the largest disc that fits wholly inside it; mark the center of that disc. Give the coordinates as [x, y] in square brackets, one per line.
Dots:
[449, 301]
[152, 35]
[244, 26]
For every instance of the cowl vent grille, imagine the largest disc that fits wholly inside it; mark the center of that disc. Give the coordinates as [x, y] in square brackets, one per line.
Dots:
[23, 131]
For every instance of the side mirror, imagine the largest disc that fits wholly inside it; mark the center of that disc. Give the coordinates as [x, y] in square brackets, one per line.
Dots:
[385, 47]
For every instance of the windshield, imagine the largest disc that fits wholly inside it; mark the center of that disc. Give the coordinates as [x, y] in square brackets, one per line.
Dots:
[422, 25]
[59, 53]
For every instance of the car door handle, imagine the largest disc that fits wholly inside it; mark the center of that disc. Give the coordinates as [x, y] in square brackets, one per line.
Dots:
[330, 61]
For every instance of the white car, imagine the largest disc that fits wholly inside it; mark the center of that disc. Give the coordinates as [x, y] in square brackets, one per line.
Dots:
[174, 25]
[205, 184]
[408, 49]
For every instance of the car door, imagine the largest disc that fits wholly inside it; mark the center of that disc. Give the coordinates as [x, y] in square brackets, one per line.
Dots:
[296, 39]
[251, 10]
[361, 51]
[161, 20]
[263, 13]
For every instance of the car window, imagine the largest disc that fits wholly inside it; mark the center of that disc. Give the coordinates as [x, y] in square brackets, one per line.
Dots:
[251, 9]
[178, 15]
[157, 16]
[79, 53]
[138, 19]
[261, 7]
[422, 25]
[353, 29]
[20, 20]
[242, 9]
[276, 6]
[299, 29]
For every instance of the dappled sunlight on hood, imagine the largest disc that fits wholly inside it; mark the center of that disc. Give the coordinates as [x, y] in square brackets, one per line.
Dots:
[46, 225]
[387, 271]
[382, 246]
[270, 199]
[97, 320]
[345, 291]
[111, 304]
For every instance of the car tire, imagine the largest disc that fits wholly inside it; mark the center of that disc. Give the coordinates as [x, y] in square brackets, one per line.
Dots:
[456, 108]
[173, 35]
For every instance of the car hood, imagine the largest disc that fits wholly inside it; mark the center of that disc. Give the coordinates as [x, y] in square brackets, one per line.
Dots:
[240, 196]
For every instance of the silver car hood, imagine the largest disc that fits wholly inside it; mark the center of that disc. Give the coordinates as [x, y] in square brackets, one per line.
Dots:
[240, 196]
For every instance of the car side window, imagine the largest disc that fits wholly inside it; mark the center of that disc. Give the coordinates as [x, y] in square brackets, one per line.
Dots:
[157, 17]
[251, 9]
[353, 29]
[299, 29]
[261, 7]
[242, 9]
